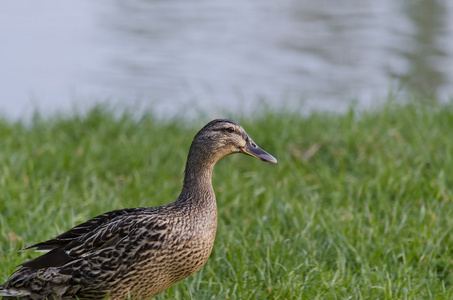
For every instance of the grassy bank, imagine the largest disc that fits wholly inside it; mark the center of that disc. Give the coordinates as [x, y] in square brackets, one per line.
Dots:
[359, 206]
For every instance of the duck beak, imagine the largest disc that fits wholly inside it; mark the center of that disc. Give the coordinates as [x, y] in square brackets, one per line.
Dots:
[252, 149]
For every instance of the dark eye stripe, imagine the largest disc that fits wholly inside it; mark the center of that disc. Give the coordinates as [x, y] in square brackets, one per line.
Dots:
[229, 129]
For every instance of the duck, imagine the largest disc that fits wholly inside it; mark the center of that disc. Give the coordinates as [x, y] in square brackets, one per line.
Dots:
[137, 253]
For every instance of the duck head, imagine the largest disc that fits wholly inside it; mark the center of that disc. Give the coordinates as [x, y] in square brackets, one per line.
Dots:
[224, 137]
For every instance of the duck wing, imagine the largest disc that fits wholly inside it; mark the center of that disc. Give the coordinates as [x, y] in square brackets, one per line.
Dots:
[93, 235]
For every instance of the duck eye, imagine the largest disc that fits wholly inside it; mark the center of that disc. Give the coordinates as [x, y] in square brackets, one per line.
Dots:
[230, 129]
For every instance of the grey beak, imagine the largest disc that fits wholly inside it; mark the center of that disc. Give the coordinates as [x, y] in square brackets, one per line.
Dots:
[252, 149]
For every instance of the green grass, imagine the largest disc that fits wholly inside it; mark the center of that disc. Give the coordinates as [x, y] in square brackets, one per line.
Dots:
[360, 206]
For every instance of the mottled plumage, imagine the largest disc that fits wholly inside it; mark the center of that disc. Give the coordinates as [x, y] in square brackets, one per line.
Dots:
[137, 252]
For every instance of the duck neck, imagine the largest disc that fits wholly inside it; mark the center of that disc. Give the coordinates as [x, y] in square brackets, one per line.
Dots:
[197, 184]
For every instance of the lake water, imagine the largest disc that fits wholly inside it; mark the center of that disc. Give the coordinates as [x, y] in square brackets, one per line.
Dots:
[179, 56]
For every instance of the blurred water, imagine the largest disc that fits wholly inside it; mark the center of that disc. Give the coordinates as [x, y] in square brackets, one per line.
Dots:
[178, 56]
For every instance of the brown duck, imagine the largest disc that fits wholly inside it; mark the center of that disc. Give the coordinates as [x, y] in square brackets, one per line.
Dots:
[137, 252]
